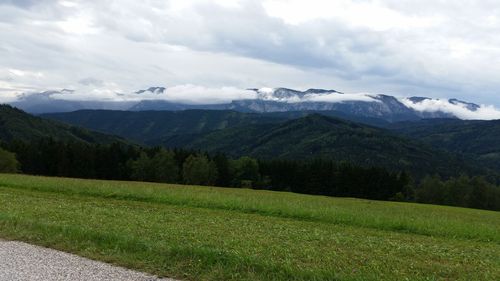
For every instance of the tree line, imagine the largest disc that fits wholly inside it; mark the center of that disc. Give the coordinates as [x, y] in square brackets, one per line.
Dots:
[120, 161]
[464, 191]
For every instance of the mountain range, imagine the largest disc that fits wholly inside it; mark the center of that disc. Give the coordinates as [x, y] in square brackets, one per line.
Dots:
[379, 108]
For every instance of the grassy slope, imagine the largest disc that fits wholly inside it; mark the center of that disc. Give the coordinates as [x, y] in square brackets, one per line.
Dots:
[201, 233]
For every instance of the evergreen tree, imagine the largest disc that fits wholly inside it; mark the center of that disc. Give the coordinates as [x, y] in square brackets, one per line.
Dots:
[223, 168]
[478, 197]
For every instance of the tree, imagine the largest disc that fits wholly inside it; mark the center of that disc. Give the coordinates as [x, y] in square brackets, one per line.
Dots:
[142, 169]
[161, 167]
[478, 197]
[8, 162]
[432, 190]
[245, 172]
[223, 170]
[198, 170]
[165, 167]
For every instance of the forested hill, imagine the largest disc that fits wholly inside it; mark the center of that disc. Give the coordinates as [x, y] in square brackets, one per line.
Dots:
[317, 136]
[148, 126]
[290, 135]
[15, 124]
[476, 139]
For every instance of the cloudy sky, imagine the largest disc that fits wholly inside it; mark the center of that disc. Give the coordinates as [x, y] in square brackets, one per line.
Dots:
[436, 48]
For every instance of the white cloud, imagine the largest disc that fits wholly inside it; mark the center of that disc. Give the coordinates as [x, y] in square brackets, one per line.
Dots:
[102, 92]
[484, 112]
[79, 25]
[340, 97]
[366, 14]
[13, 73]
[188, 94]
[193, 94]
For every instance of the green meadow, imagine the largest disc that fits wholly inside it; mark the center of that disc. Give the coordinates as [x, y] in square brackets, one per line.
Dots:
[207, 233]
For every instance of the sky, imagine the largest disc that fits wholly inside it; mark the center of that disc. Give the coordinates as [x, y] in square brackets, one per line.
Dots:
[102, 49]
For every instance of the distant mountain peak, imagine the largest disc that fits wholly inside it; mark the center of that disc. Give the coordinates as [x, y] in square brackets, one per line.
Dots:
[321, 91]
[154, 90]
[468, 105]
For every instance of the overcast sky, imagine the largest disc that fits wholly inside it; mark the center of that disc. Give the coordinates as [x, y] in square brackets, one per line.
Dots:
[435, 48]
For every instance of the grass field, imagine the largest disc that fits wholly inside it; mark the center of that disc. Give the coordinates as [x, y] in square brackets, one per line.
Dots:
[203, 233]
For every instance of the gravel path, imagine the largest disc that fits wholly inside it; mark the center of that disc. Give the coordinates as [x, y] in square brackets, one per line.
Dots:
[21, 261]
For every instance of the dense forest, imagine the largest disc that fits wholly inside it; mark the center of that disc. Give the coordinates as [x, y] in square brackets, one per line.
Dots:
[120, 161]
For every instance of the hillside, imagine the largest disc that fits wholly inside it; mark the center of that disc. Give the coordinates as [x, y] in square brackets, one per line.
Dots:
[476, 139]
[317, 136]
[148, 126]
[296, 135]
[202, 233]
[15, 124]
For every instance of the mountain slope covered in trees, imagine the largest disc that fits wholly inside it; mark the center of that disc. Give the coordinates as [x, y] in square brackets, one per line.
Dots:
[479, 140]
[149, 126]
[317, 136]
[15, 124]
[290, 135]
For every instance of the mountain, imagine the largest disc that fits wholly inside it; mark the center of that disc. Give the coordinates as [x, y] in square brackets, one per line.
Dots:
[149, 126]
[375, 106]
[393, 144]
[154, 90]
[477, 139]
[16, 124]
[282, 135]
[316, 136]
[381, 106]
[218, 130]
[384, 108]
[162, 105]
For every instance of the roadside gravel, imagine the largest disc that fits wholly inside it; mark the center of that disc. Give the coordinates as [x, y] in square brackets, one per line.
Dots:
[21, 261]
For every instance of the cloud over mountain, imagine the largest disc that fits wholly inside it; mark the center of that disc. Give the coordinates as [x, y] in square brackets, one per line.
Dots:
[188, 96]
[461, 110]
